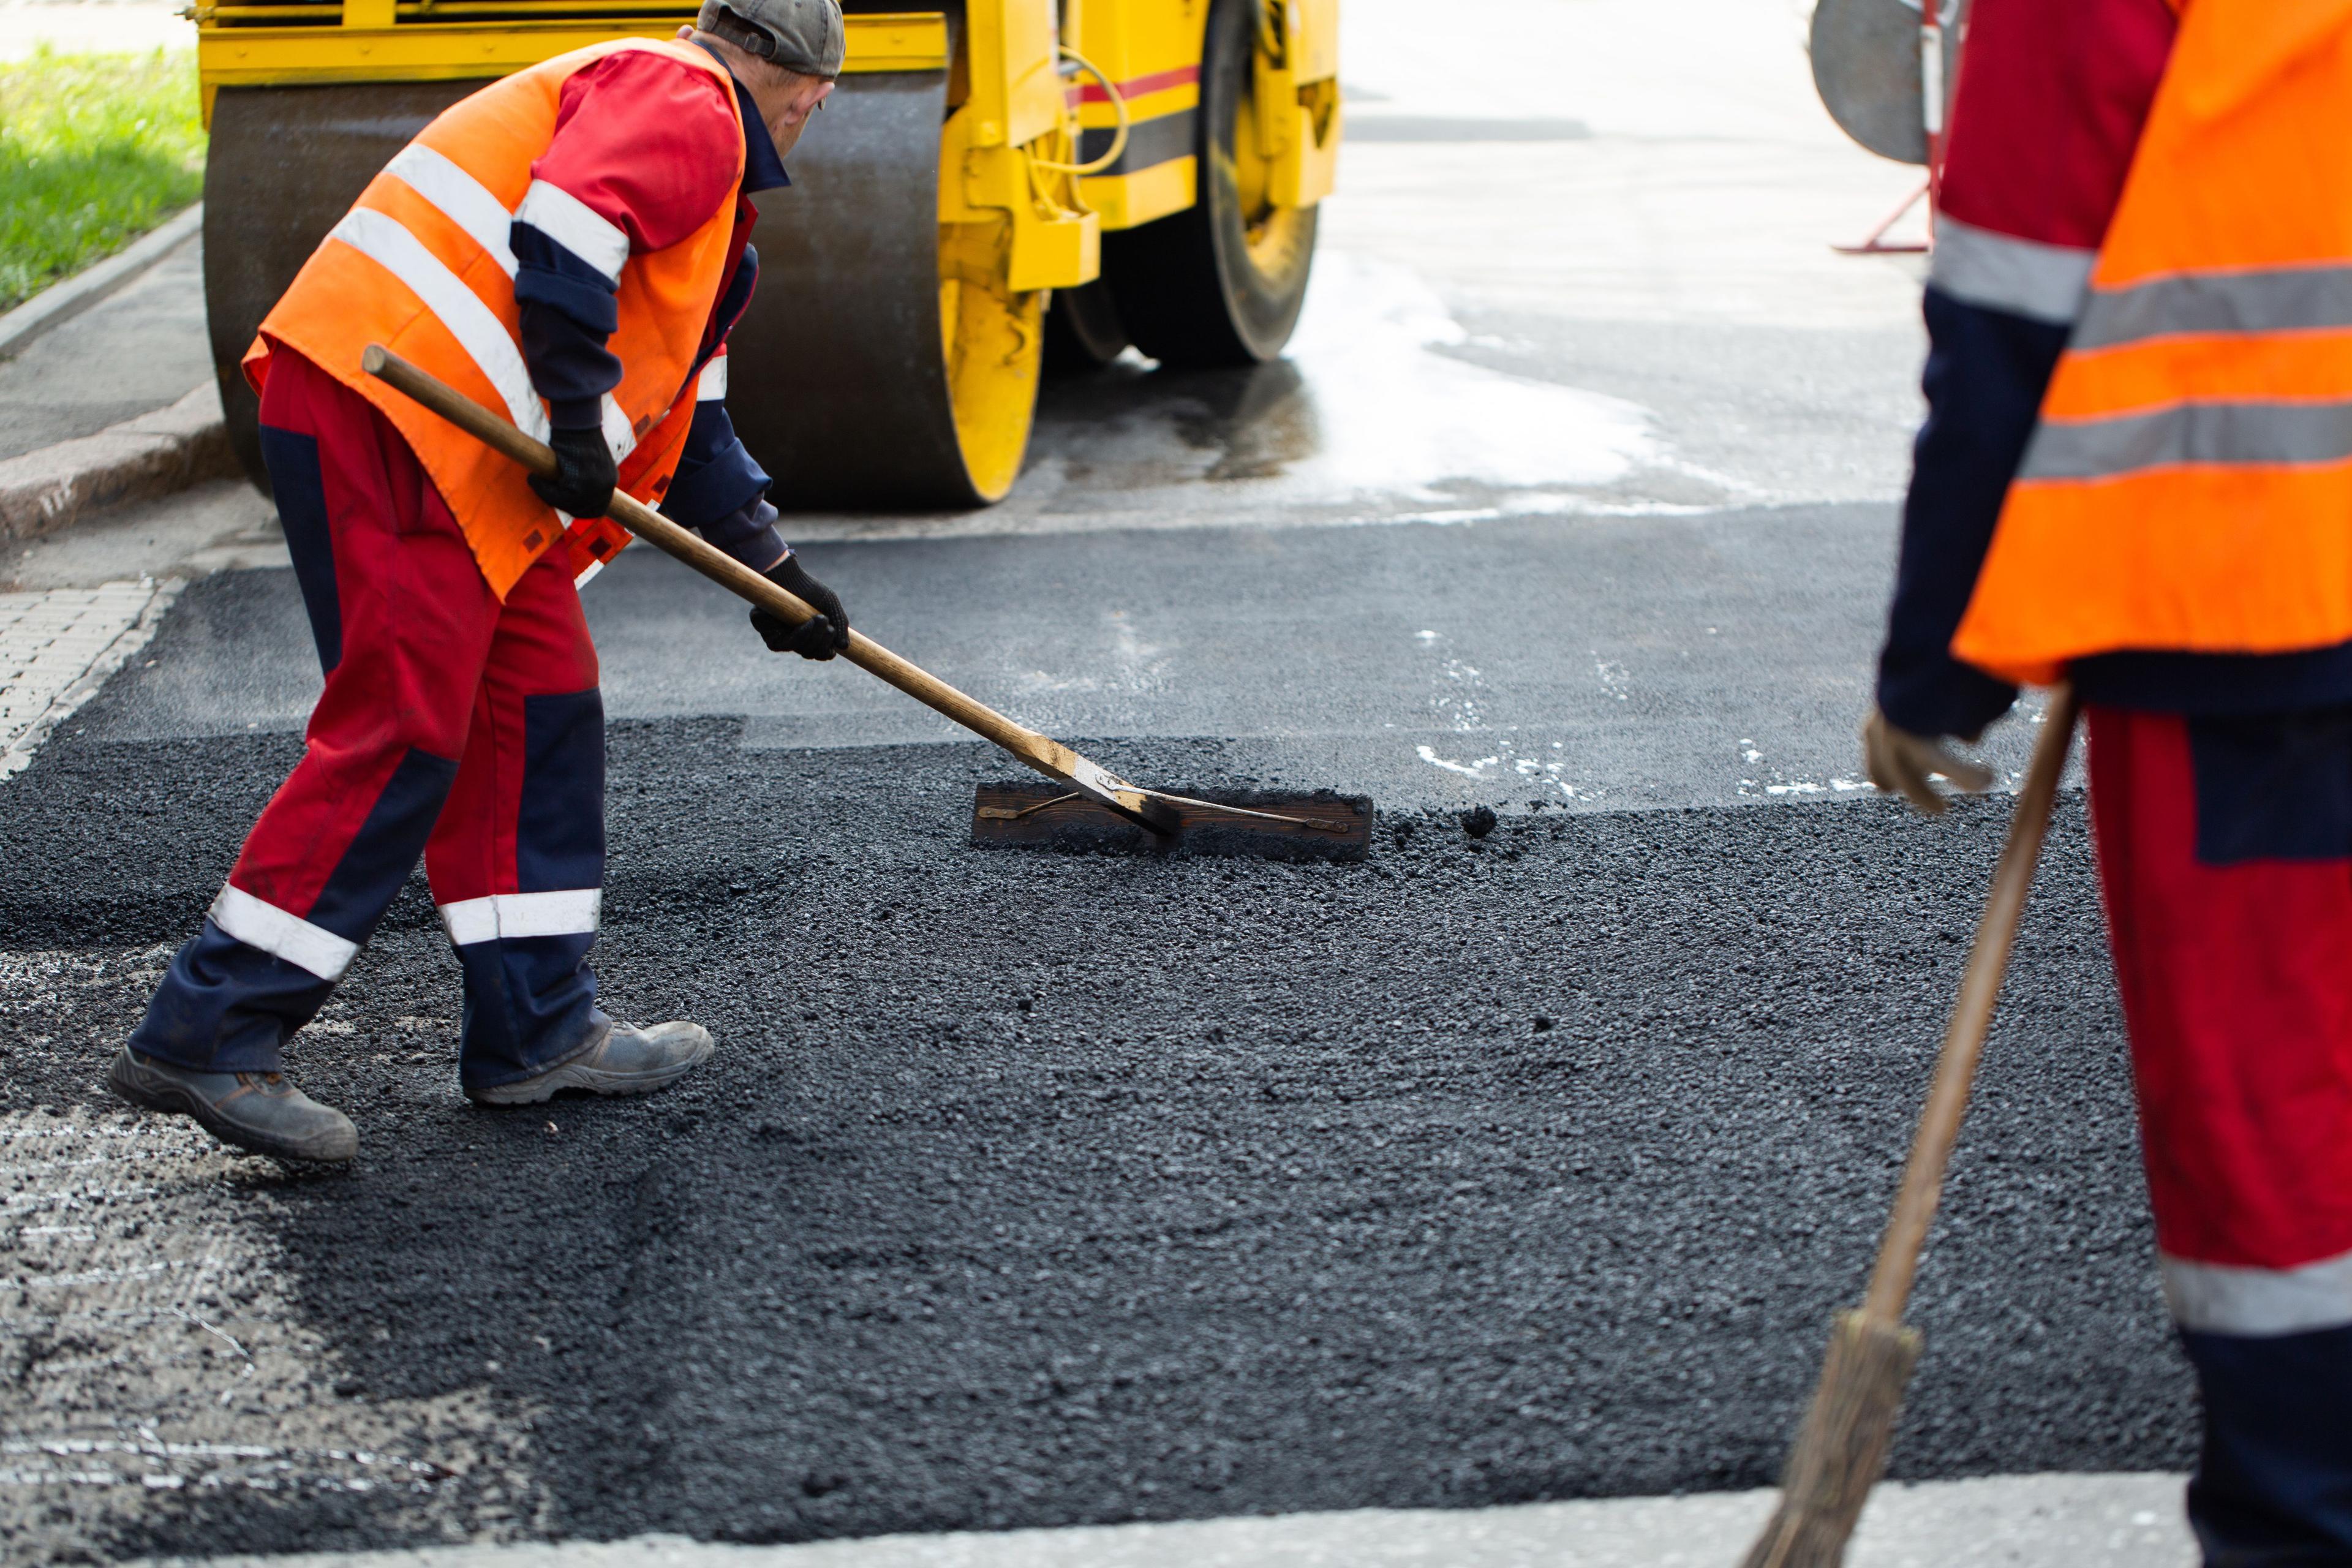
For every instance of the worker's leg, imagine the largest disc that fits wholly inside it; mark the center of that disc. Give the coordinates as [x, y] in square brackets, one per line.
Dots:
[2225, 850]
[517, 861]
[403, 620]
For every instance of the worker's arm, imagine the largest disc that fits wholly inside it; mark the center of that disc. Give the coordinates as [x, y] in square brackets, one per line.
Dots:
[1986, 372]
[721, 491]
[718, 488]
[2049, 114]
[644, 150]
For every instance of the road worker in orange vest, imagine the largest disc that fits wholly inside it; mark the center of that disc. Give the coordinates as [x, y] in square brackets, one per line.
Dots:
[2136, 474]
[567, 245]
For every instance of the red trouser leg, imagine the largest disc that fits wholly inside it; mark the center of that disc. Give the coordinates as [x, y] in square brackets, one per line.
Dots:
[2225, 853]
[410, 636]
[517, 861]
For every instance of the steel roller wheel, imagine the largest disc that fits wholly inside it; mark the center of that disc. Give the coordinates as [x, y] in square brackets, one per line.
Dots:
[1222, 282]
[1083, 331]
[285, 165]
[883, 362]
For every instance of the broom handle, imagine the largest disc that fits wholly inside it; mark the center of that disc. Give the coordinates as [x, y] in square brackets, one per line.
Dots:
[1964, 1037]
[1046, 756]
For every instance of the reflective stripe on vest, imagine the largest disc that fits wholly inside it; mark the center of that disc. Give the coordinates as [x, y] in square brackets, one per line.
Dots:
[2188, 487]
[424, 264]
[386, 241]
[456, 193]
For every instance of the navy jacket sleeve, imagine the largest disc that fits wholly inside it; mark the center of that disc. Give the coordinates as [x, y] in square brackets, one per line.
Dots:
[721, 491]
[1986, 372]
[568, 309]
[643, 152]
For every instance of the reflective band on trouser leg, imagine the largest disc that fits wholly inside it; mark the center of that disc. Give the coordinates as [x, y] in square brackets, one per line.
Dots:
[571, 912]
[518, 858]
[281, 935]
[2230, 901]
[381, 240]
[2259, 1303]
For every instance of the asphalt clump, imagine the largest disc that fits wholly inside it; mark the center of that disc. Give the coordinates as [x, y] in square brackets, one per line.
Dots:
[1035, 1189]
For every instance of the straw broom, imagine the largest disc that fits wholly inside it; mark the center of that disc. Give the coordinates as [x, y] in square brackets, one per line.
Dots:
[1841, 1450]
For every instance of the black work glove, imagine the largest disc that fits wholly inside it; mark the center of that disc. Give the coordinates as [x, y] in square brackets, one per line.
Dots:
[583, 481]
[822, 637]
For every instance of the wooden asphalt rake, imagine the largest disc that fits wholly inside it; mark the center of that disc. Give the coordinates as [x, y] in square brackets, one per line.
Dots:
[1841, 1450]
[1095, 807]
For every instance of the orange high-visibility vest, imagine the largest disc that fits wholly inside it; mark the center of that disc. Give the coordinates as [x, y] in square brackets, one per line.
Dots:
[421, 265]
[2190, 485]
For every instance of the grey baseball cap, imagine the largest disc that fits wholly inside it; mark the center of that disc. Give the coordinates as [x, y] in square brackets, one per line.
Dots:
[803, 35]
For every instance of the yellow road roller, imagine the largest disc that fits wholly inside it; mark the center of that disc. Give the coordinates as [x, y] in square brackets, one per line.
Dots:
[994, 185]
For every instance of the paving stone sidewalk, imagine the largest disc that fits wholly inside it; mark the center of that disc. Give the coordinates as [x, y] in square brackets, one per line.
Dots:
[57, 647]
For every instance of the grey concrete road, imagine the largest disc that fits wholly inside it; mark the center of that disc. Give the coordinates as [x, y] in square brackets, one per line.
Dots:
[1032, 1192]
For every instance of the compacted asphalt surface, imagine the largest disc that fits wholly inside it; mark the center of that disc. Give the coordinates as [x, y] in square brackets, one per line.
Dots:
[1031, 1188]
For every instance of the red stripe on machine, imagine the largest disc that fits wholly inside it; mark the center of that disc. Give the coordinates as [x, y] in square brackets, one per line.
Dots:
[1157, 81]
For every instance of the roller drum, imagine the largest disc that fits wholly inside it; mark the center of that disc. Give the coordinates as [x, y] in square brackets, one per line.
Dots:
[286, 163]
[838, 382]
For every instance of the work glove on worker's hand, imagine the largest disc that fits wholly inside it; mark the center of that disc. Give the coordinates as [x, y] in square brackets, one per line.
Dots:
[822, 637]
[581, 484]
[1901, 763]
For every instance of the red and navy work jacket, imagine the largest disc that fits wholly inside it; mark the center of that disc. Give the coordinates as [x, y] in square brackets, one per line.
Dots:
[648, 145]
[2053, 99]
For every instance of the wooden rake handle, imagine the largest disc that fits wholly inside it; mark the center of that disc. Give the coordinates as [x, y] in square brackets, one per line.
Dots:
[1047, 755]
[1964, 1036]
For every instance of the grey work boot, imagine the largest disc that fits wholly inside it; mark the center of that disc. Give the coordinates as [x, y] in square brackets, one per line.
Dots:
[620, 1059]
[262, 1111]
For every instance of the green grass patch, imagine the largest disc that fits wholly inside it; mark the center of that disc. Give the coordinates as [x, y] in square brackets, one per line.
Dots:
[95, 150]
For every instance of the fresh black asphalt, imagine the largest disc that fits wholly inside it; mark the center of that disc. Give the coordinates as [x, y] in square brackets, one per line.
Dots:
[1032, 1189]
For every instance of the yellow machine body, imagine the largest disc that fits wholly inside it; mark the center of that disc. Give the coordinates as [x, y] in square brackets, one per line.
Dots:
[1033, 163]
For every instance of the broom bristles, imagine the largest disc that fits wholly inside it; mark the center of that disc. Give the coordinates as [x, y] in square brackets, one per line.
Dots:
[1841, 1450]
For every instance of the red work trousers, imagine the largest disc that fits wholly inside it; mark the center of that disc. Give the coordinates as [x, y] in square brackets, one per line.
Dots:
[452, 724]
[2225, 857]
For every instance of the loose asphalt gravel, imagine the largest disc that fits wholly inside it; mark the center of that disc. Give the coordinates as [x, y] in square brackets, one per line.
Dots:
[1032, 1189]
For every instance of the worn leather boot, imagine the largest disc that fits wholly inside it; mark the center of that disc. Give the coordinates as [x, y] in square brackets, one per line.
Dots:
[261, 1112]
[620, 1059]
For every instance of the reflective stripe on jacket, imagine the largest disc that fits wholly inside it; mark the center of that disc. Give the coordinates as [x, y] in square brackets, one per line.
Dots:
[2190, 485]
[421, 265]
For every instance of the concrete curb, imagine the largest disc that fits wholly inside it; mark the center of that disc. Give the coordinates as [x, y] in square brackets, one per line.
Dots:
[155, 454]
[63, 302]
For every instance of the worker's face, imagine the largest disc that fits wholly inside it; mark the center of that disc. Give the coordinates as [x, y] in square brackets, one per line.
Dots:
[784, 98]
[786, 101]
